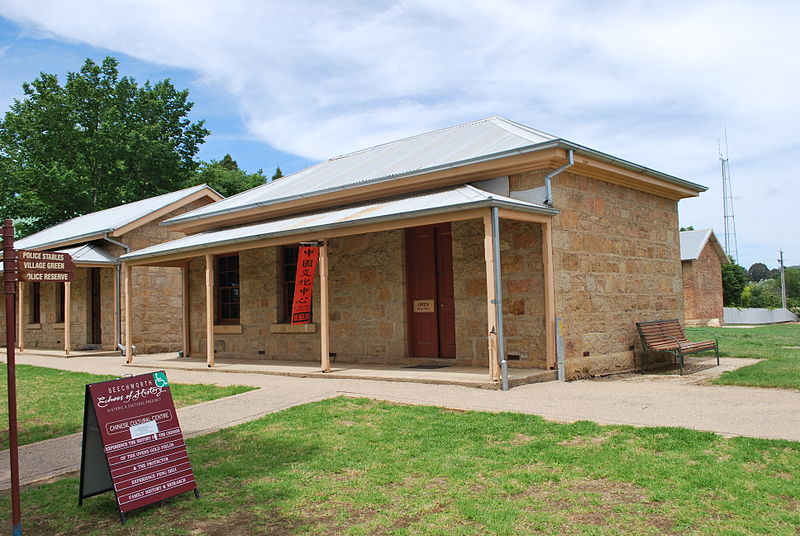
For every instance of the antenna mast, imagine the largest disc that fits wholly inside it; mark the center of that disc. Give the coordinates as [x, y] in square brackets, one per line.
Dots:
[731, 248]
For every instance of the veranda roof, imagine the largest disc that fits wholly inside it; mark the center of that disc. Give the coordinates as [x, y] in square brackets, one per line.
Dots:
[89, 254]
[461, 145]
[439, 202]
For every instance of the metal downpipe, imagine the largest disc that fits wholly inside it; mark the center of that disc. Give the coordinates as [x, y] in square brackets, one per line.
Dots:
[498, 296]
[548, 193]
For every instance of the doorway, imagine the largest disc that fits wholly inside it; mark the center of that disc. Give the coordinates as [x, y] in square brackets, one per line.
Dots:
[95, 330]
[429, 283]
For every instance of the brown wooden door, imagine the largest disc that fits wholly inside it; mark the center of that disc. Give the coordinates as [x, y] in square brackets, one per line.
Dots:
[95, 331]
[429, 278]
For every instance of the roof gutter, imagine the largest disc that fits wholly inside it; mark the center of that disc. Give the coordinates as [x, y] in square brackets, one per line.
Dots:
[489, 203]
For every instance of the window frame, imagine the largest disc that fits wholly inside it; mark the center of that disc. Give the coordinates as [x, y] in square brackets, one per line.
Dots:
[60, 303]
[287, 285]
[220, 290]
[36, 303]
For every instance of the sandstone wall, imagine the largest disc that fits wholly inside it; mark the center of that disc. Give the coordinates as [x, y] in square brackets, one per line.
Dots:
[702, 288]
[367, 301]
[616, 262]
[157, 301]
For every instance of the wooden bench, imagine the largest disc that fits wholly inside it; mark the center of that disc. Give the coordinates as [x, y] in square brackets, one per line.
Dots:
[669, 336]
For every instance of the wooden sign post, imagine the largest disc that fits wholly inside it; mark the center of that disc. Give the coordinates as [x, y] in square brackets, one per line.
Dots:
[9, 284]
[132, 443]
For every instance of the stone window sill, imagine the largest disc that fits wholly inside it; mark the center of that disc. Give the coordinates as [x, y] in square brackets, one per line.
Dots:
[33, 326]
[58, 325]
[228, 328]
[296, 328]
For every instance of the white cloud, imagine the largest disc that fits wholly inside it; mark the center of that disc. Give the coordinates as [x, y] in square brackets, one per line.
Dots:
[650, 82]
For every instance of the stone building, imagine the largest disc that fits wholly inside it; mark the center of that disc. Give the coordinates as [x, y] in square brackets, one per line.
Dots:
[86, 314]
[461, 246]
[702, 258]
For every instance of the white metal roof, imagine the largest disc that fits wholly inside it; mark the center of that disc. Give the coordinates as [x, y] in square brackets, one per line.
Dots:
[489, 138]
[101, 222]
[89, 254]
[693, 242]
[442, 201]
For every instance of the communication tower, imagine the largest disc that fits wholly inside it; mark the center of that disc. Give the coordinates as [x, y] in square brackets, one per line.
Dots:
[731, 248]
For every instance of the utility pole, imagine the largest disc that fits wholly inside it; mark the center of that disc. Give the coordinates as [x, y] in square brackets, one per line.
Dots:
[783, 283]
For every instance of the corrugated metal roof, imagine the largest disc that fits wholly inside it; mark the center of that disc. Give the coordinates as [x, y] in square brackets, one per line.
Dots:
[443, 201]
[449, 147]
[103, 221]
[89, 254]
[693, 242]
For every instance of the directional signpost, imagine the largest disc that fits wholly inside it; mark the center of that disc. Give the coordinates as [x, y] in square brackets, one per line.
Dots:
[23, 265]
[36, 266]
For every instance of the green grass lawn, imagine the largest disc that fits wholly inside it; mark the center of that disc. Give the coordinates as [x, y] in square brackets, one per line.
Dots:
[359, 467]
[50, 401]
[778, 344]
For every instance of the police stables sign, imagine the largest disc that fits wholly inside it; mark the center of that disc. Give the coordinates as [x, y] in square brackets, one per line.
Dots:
[132, 443]
[40, 266]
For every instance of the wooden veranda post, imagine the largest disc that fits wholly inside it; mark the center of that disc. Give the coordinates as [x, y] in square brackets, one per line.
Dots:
[324, 321]
[116, 283]
[187, 342]
[491, 304]
[549, 295]
[67, 317]
[210, 310]
[128, 313]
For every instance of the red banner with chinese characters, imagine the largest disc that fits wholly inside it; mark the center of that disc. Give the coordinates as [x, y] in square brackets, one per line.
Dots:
[304, 284]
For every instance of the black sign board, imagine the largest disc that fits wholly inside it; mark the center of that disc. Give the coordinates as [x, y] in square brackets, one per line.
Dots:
[132, 443]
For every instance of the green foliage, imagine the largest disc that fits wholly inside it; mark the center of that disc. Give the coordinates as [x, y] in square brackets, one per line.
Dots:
[690, 228]
[764, 294]
[278, 173]
[93, 143]
[734, 279]
[226, 177]
[758, 272]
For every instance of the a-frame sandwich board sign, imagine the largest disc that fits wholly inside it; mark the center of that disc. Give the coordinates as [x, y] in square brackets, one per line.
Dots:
[132, 443]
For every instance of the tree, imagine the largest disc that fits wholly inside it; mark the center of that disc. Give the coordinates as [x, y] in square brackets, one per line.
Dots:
[690, 228]
[758, 272]
[278, 173]
[734, 280]
[226, 177]
[97, 141]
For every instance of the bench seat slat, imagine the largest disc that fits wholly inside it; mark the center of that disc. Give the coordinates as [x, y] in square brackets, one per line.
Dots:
[669, 336]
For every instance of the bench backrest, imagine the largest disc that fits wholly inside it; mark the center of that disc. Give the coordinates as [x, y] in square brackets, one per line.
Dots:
[660, 331]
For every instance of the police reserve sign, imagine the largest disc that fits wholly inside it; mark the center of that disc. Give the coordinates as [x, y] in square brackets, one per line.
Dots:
[40, 266]
[132, 443]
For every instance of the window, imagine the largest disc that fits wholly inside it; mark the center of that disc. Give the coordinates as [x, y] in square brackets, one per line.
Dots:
[289, 256]
[60, 300]
[227, 290]
[36, 303]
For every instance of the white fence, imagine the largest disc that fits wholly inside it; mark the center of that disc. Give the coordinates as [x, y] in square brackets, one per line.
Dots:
[758, 316]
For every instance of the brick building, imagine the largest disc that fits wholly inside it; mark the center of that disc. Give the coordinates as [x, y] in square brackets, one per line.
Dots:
[87, 313]
[456, 247]
[702, 258]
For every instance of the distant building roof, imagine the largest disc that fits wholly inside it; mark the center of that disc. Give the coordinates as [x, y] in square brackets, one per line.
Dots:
[454, 199]
[693, 242]
[96, 224]
[487, 139]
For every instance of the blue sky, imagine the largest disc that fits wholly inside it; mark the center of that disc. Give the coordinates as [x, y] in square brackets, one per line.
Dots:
[291, 83]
